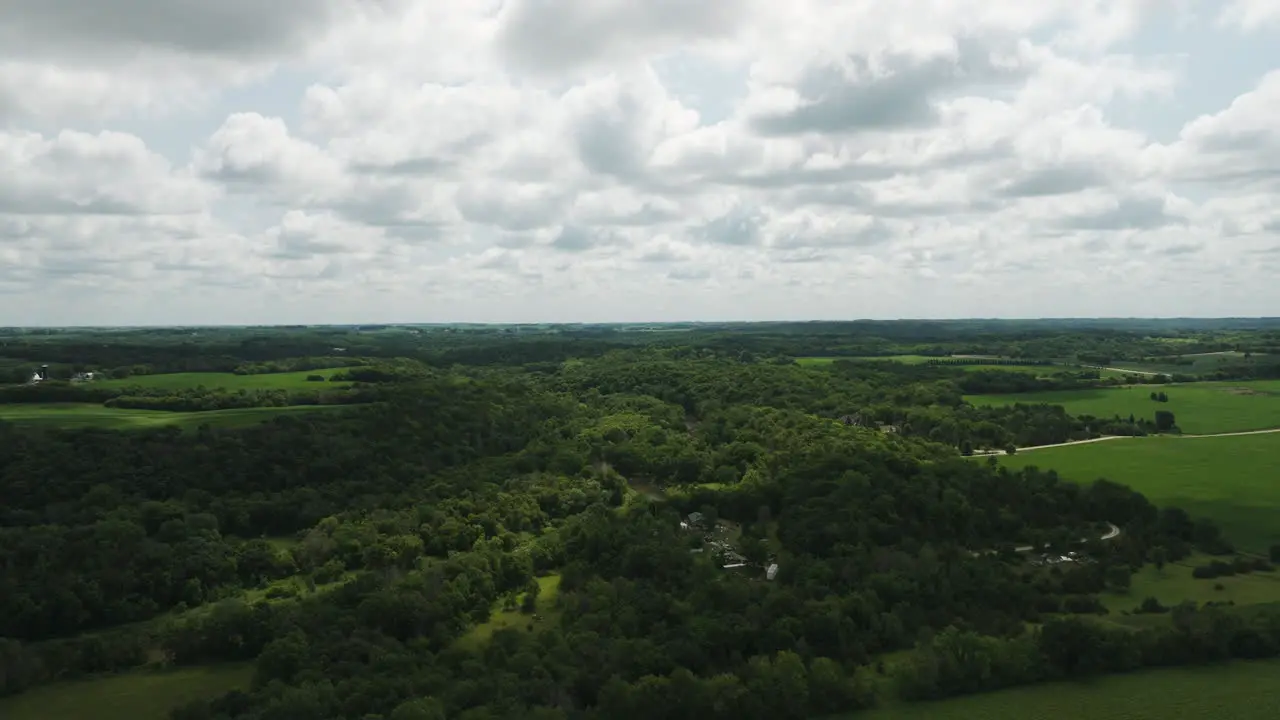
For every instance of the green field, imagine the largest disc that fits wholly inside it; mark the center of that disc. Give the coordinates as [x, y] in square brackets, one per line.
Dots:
[1199, 363]
[82, 415]
[1044, 370]
[476, 638]
[1231, 480]
[1174, 584]
[228, 381]
[141, 695]
[1235, 691]
[1200, 408]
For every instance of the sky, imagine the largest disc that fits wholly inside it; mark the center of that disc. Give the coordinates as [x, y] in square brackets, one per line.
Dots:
[343, 161]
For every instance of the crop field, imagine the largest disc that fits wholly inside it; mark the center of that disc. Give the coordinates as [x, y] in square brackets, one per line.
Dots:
[1239, 691]
[1200, 408]
[1231, 480]
[141, 695]
[229, 381]
[84, 415]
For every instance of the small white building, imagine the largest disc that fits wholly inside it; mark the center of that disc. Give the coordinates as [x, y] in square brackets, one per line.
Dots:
[771, 572]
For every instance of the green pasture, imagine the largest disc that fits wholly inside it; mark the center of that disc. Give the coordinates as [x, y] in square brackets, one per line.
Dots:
[1200, 408]
[1239, 691]
[87, 415]
[1173, 584]
[548, 613]
[139, 695]
[228, 381]
[1231, 480]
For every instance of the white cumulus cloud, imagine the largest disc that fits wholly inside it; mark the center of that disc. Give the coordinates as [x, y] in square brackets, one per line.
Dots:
[532, 160]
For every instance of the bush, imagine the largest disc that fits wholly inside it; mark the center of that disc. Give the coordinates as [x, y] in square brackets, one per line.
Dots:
[1151, 606]
[315, 378]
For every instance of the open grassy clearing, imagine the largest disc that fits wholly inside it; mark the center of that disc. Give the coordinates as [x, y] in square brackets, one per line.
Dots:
[548, 615]
[1231, 480]
[1239, 690]
[1173, 584]
[138, 695]
[229, 381]
[1200, 408]
[86, 415]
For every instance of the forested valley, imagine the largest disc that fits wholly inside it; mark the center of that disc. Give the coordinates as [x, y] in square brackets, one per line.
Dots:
[683, 529]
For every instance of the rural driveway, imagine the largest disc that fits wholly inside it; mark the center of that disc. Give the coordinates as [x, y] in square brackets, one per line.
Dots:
[1123, 370]
[1113, 531]
[1029, 448]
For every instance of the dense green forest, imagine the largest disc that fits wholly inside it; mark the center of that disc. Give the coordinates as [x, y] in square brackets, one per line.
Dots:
[731, 534]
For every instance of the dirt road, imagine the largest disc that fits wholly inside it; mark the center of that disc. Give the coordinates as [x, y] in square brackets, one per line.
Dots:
[1029, 448]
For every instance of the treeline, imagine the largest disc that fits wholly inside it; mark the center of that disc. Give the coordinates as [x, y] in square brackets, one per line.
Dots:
[299, 364]
[960, 662]
[203, 399]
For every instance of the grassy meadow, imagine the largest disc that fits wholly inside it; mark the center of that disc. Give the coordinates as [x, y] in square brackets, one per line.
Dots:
[1200, 408]
[88, 415]
[548, 614]
[1173, 584]
[229, 381]
[139, 695]
[1239, 691]
[1231, 480]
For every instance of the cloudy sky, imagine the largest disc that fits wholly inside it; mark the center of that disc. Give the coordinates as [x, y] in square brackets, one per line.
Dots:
[240, 161]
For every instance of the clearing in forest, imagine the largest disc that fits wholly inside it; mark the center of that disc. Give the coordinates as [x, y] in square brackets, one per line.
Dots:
[1238, 690]
[1199, 408]
[229, 381]
[138, 695]
[545, 615]
[85, 415]
[1231, 480]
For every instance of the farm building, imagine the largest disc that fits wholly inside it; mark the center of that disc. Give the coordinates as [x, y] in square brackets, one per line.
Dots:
[771, 572]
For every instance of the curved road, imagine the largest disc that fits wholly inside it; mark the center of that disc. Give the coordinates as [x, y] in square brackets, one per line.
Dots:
[1113, 531]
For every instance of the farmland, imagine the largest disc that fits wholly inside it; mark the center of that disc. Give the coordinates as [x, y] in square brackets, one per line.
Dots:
[1195, 363]
[139, 695]
[228, 381]
[1200, 408]
[1240, 690]
[87, 415]
[1039, 370]
[1174, 583]
[1228, 479]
